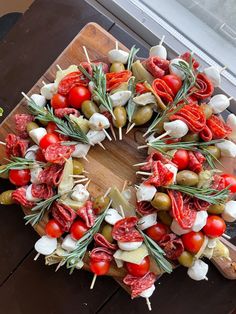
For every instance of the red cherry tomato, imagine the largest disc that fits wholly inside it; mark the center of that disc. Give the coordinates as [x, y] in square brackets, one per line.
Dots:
[78, 229]
[181, 159]
[48, 139]
[59, 101]
[230, 180]
[99, 268]
[174, 82]
[77, 95]
[51, 127]
[140, 88]
[214, 227]
[193, 241]
[53, 229]
[157, 231]
[139, 270]
[19, 177]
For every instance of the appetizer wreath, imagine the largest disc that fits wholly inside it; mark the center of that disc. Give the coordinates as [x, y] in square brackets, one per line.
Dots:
[183, 201]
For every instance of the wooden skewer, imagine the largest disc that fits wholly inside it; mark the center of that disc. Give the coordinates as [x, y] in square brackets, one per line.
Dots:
[137, 186]
[77, 176]
[113, 131]
[206, 278]
[161, 136]
[58, 266]
[117, 45]
[93, 281]
[107, 192]
[86, 54]
[122, 211]
[222, 69]
[85, 158]
[107, 134]
[140, 164]
[85, 171]
[230, 98]
[87, 184]
[26, 97]
[81, 180]
[142, 146]
[146, 133]
[226, 236]
[44, 83]
[148, 304]
[120, 133]
[101, 145]
[144, 173]
[124, 186]
[162, 40]
[36, 256]
[2, 143]
[130, 128]
[59, 68]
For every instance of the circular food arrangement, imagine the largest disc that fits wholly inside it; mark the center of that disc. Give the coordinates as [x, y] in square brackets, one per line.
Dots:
[177, 210]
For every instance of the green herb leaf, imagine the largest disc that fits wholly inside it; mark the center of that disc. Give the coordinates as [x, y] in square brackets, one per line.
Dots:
[21, 163]
[132, 53]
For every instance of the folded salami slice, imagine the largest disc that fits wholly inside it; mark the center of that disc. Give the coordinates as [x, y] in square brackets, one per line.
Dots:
[124, 230]
[218, 127]
[100, 240]
[21, 121]
[57, 153]
[155, 156]
[200, 204]
[172, 246]
[161, 175]
[105, 67]
[64, 215]
[71, 80]
[62, 112]
[87, 214]
[101, 254]
[42, 191]
[156, 66]
[145, 208]
[218, 182]
[206, 134]
[196, 160]
[205, 87]
[139, 284]
[19, 196]
[186, 57]
[15, 146]
[51, 175]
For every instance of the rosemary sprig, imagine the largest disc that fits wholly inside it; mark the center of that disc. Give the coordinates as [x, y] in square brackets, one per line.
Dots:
[132, 53]
[68, 127]
[20, 163]
[157, 253]
[153, 125]
[131, 106]
[160, 144]
[100, 88]
[209, 195]
[40, 209]
[71, 259]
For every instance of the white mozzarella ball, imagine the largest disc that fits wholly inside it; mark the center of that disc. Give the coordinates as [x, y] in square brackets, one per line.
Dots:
[68, 244]
[81, 150]
[34, 174]
[147, 221]
[148, 292]
[227, 148]
[174, 70]
[112, 216]
[176, 128]
[48, 90]
[229, 213]
[219, 103]
[175, 227]
[198, 270]
[120, 98]
[129, 246]
[29, 195]
[231, 122]
[31, 152]
[117, 55]
[95, 137]
[158, 51]
[80, 193]
[173, 169]
[46, 245]
[214, 75]
[98, 122]
[145, 192]
[37, 134]
[40, 100]
[200, 220]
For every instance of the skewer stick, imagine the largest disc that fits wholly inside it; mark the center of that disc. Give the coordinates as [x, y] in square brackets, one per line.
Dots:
[161, 136]
[85, 158]
[85, 171]
[142, 146]
[107, 192]
[140, 164]
[130, 128]
[36, 256]
[206, 278]
[113, 131]
[81, 180]
[59, 68]
[44, 83]
[2, 143]
[122, 211]
[107, 134]
[162, 40]
[87, 184]
[144, 173]
[101, 145]
[146, 133]
[120, 133]
[76, 175]
[222, 69]
[26, 97]
[148, 304]
[230, 98]
[124, 186]
[226, 236]
[117, 45]
[58, 266]
[86, 54]
[93, 281]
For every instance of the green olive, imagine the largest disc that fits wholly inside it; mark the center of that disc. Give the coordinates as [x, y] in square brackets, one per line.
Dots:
[78, 167]
[186, 259]
[191, 137]
[31, 126]
[121, 117]
[165, 217]
[215, 151]
[117, 67]
[5, 174]
[187, 177]
[216, 209]
[6, 198]
[142, 115]
[122, 87]
[161, 201]
[89, 108]
[100, 203]
[107, 232]
[207, 110]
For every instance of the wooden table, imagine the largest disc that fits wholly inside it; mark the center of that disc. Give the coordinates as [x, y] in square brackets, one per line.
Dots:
[30, 287]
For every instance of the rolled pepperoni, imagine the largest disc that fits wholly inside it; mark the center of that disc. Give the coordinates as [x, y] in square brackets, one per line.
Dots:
[51, 175]
[206, 134]
[139, 284]
[15, 146]
[64, 215]
[19, 196]
[42, 191]
[204, 88]
[115, 79]
[156, 66]
[186, 57]
[161, 175]
[196, 160]
[124, 230]
[163, 90]
[57, 153]
[71, 80]
[218, 127]
[172, 246]
[101, 254]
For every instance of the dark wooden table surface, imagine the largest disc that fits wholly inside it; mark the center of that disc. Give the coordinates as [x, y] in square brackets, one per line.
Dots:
[29, 287]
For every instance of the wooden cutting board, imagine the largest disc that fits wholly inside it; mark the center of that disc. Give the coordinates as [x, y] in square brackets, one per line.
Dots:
[110, 167]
